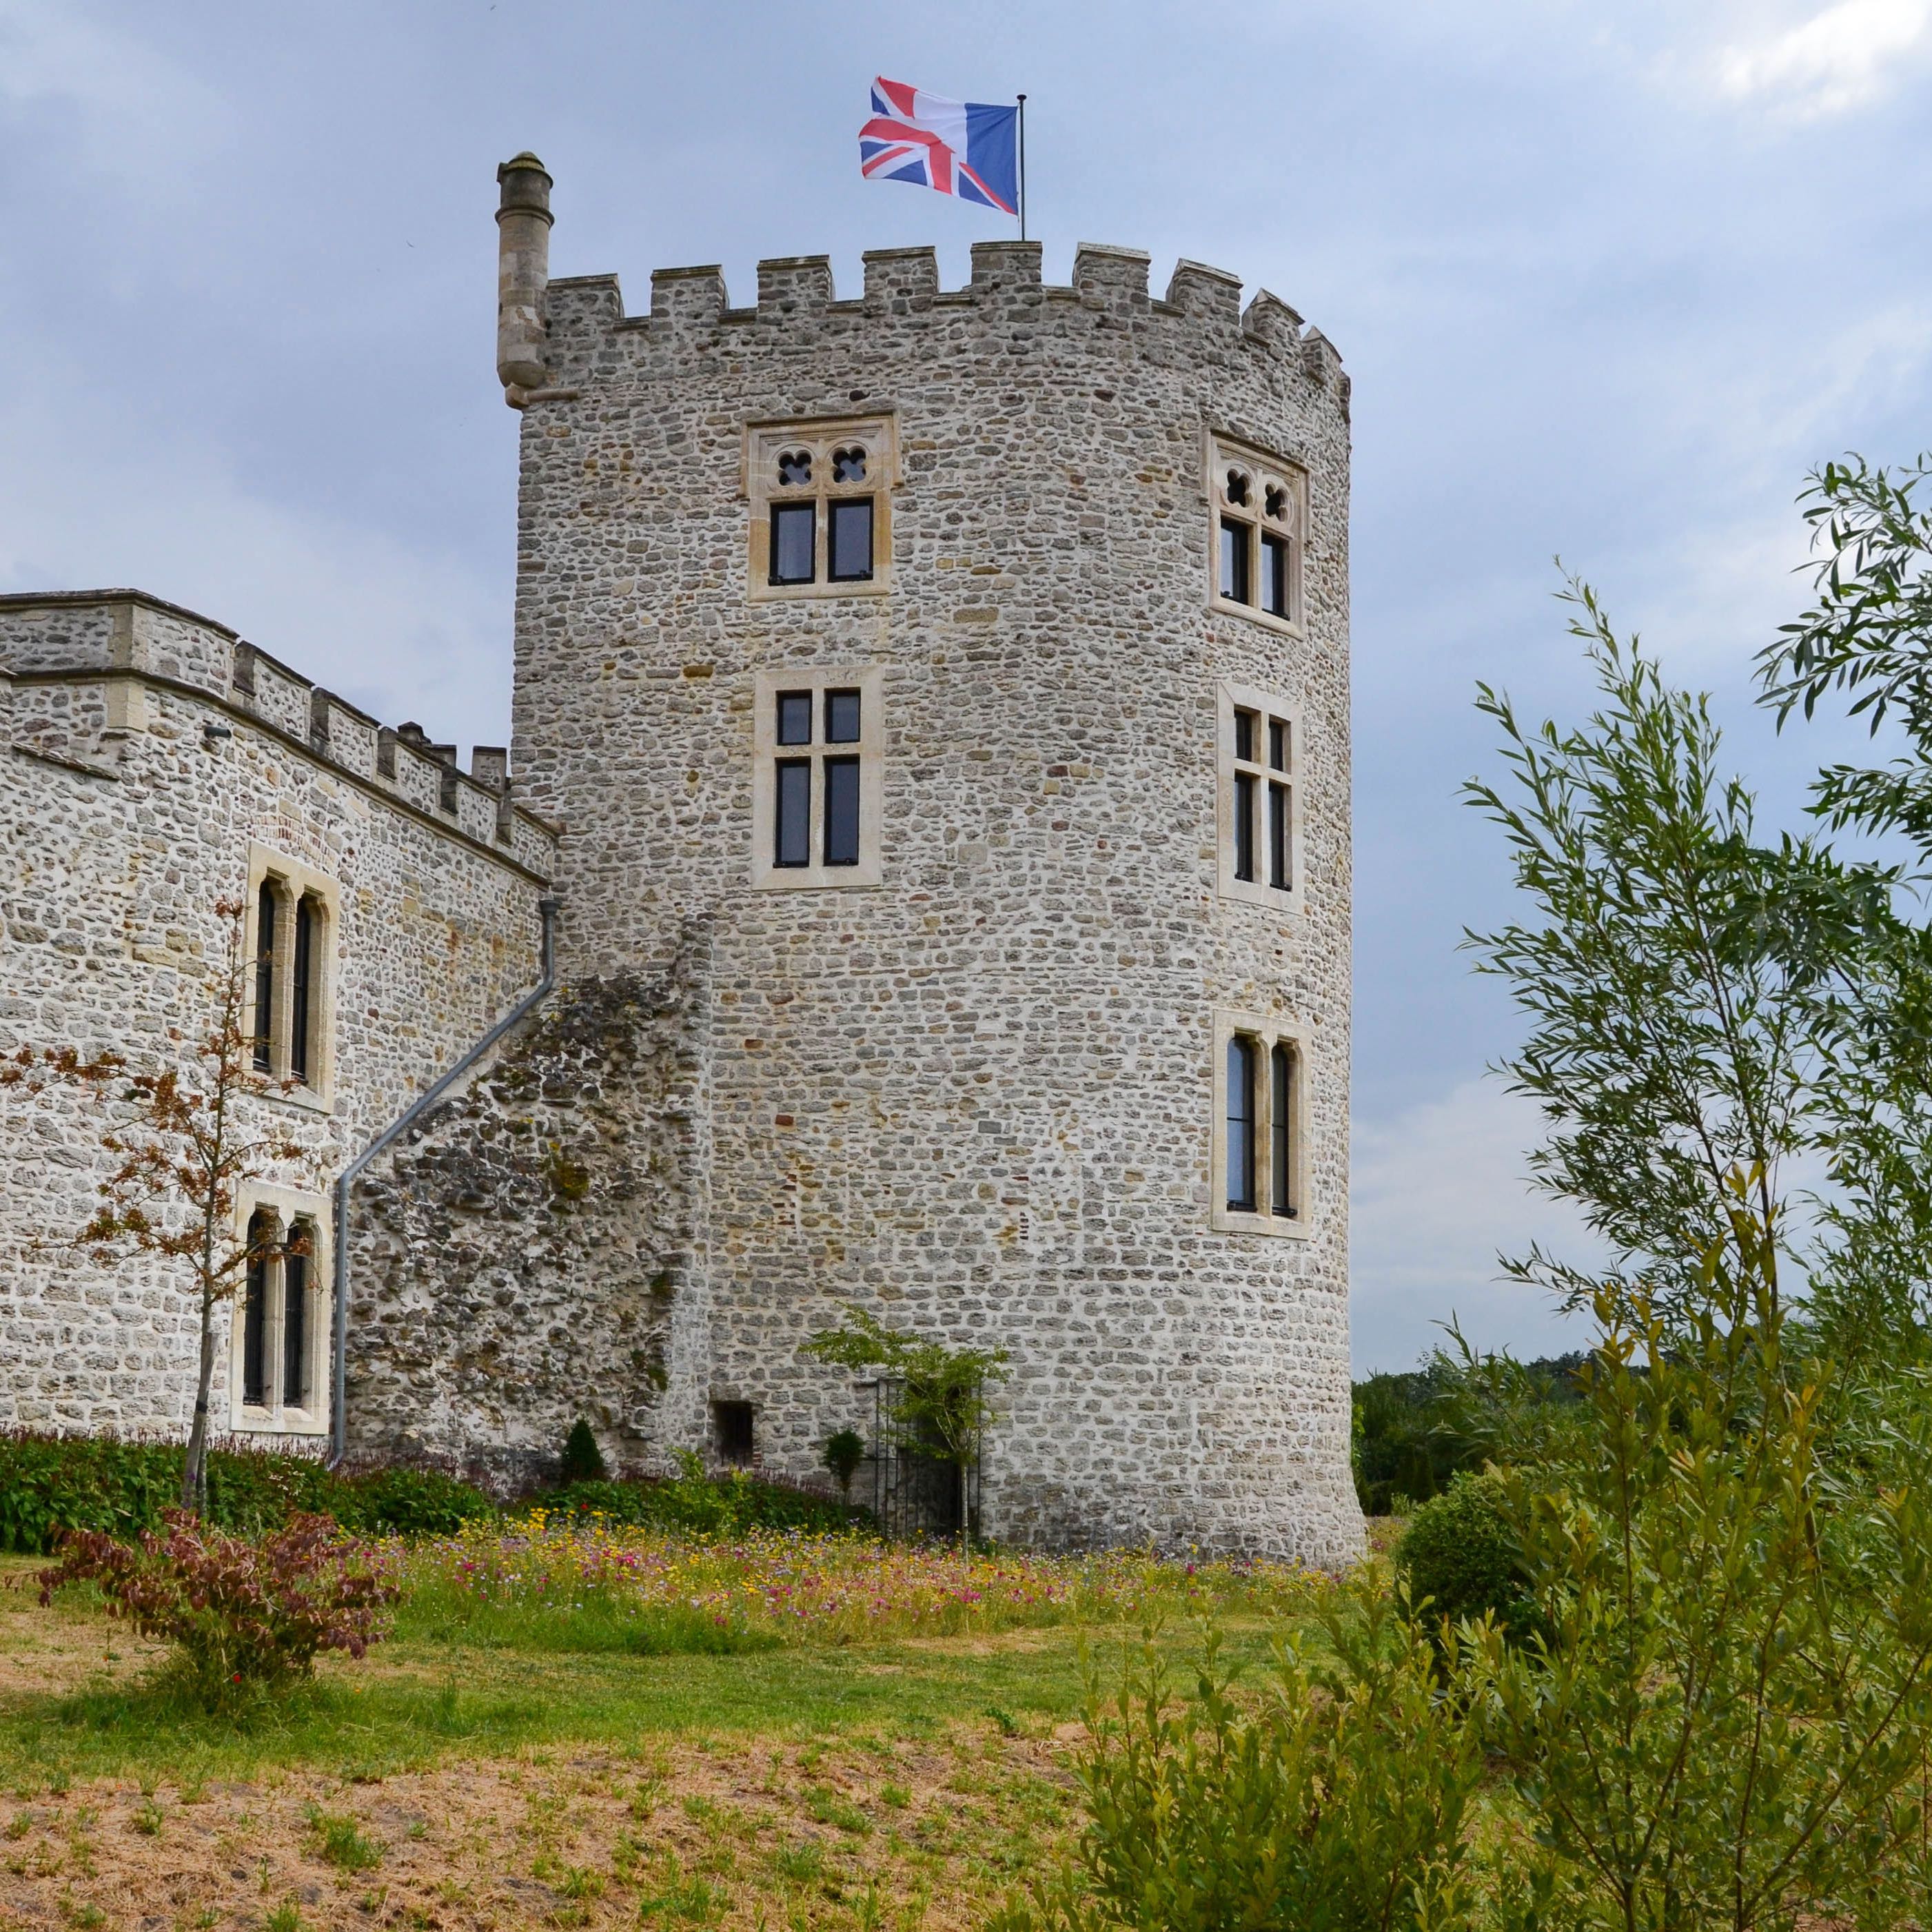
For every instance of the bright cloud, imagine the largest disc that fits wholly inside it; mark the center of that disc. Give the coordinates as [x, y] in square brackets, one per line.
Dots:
[1839, 58]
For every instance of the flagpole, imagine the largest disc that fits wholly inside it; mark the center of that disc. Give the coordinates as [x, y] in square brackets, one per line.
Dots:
[1022, 100]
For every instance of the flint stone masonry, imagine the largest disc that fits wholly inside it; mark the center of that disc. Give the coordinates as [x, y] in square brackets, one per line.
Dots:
[976, 1100]
[144, 751]
[534, 1251]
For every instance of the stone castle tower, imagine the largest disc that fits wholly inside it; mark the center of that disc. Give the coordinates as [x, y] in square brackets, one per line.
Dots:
[957, 681]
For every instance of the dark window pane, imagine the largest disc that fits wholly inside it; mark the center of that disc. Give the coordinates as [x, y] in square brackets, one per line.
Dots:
[841, 717]
[1244, 735]
[1241, 1122]
[1279, 876]
[1274, 575]
[851, 540]
[302, 990]
[294, 1329]
[265, 910]
[1234, 561]
[733, 1425]
[842, 811]
[255, 1317]
[1278, 744]
[1281, 1190]
[793, 543]
[1244, 825]
[792, 844]
[794, 718]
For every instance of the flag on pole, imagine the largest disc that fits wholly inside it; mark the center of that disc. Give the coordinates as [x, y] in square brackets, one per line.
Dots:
[964, 148]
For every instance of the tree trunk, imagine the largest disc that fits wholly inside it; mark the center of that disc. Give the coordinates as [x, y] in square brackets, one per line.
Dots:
[194, 1472]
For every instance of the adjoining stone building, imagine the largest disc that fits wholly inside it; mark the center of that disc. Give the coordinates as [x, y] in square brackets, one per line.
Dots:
[931, 717]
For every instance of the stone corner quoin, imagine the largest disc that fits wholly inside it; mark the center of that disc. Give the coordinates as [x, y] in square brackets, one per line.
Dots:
[917, 922]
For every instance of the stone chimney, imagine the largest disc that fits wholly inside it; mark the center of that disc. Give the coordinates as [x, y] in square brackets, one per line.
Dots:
[523, 273]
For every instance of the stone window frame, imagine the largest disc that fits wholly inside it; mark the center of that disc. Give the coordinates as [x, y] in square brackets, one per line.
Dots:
[868, 680]
[1268, 707]
[1264, 471]
[1267, 1031]
[764, 443]
[290, 1207]
[292, 881]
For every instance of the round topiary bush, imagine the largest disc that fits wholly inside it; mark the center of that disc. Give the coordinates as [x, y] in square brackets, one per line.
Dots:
[1460, 1552]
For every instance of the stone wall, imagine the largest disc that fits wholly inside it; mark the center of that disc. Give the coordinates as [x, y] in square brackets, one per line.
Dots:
[978, 1098]
[534, 1251]
[144, 753]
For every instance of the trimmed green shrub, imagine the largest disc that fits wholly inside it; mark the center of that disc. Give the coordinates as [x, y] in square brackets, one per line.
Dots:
[693, 1501]
[582, 1460]
[406, 1500]
[843, 1452]
[1460, 1555]
[50, 1484]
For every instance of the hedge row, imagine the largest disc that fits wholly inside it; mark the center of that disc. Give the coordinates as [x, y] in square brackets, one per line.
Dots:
[51, 1484]
[725, 1506]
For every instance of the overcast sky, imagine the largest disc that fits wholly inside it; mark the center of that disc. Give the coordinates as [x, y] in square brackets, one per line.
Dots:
[1610, 277]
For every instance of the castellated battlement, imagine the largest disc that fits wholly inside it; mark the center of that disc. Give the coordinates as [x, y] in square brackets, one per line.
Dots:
[1200, 311]
[74, 665]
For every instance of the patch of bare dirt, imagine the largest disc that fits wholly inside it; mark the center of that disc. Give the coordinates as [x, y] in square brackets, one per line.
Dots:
[926, 1834]
[45, 1654]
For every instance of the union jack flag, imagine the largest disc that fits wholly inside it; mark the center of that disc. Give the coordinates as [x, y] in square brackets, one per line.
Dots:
[964, 148]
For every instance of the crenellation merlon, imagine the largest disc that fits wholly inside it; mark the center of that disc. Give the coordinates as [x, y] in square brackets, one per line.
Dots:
[793, 285]
[112, 636]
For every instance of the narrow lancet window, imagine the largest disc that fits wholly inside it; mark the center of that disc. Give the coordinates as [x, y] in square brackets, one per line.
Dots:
[301, 988]
[1244, 825]
[255, 1312]
[266, 908]
[793, 832]
[1234, 566]
[1274, 576]
[1241, 1190]
[1282, 1126]
[294, 1322]
[842, 811]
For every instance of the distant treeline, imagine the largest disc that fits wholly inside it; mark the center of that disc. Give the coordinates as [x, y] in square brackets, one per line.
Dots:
[1414, 1430]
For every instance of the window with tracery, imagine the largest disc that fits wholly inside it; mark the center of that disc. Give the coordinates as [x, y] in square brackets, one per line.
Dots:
[1261, 516]
[821, 507]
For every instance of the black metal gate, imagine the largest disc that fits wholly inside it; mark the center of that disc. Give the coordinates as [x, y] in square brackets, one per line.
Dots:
[917, 1489]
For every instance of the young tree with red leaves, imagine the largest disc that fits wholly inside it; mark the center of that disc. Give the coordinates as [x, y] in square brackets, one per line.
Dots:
[188, 1147]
